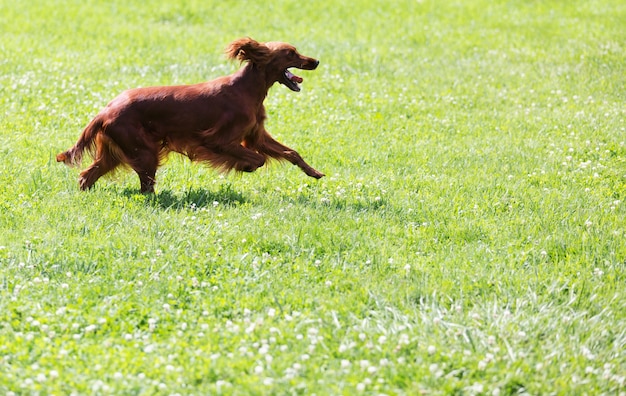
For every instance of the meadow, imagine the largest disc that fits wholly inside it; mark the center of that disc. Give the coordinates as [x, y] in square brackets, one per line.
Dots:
[468, 239]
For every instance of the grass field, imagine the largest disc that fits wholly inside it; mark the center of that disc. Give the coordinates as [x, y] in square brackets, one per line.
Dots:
[469, 238]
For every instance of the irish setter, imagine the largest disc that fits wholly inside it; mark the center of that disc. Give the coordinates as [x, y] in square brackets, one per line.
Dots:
[219, 122]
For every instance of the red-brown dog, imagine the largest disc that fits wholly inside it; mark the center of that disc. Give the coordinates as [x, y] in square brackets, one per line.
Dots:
[219, 122]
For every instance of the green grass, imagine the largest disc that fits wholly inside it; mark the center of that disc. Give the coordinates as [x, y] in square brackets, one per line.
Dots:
[468, 239]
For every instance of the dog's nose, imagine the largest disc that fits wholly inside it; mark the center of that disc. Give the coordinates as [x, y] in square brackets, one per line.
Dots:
[315, 63]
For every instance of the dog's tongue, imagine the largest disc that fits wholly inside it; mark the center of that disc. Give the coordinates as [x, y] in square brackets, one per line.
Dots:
[293, 77]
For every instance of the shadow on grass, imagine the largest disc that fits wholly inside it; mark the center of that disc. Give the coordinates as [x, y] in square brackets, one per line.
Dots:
[226, 195]
[193, 198]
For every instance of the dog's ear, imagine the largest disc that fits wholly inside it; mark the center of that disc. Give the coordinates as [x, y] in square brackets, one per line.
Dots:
[247, 49]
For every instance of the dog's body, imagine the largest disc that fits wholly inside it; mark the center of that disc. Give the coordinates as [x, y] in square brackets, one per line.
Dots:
[220, 122]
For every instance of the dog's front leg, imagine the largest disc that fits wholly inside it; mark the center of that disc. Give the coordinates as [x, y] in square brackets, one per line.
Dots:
[274, 149]
[235, 156]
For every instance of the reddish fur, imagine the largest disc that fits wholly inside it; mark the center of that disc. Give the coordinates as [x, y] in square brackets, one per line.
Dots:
[219, 122]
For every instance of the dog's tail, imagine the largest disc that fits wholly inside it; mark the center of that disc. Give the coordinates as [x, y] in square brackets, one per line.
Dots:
[74, 155]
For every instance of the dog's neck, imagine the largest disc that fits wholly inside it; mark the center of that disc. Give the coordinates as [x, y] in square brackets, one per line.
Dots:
[255, 81]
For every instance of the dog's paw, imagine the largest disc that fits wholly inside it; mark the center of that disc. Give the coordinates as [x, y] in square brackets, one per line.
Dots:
[314, 173]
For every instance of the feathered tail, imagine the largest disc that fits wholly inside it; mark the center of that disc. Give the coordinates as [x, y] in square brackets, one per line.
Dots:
[86, 141]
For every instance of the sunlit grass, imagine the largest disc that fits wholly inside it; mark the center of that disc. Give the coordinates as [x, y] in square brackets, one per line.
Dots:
[468, 237]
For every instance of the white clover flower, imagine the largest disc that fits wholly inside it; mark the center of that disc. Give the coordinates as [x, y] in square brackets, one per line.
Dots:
[222, 383]
[215, 356]
[90, 328]
[97, 386]
[290, 373]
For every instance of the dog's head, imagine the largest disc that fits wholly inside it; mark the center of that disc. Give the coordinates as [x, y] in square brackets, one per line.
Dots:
[276, 58]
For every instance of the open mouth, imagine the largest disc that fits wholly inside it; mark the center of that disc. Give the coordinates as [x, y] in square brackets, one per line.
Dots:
[292, 81]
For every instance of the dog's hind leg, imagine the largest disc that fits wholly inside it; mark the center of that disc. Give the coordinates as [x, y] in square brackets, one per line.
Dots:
[136, 149]
[105, 161]
[147, 178]
[145, 164]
